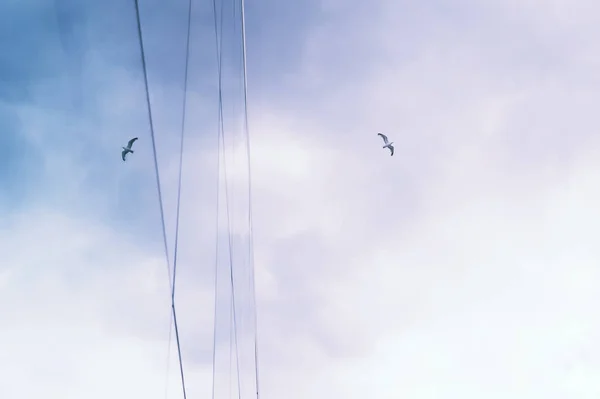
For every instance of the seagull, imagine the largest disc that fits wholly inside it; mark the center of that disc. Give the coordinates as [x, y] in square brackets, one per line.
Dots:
[127, 150]
[387, 143]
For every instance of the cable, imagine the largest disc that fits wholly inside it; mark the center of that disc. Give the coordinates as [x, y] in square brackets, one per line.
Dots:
[218, 42]
[214, 350]
[232, 284]
[162, 214]
[177, 219]
[231, 318]
[216, 269]
[230, 250]
[150, 119]
[250, 221]
[231, 279]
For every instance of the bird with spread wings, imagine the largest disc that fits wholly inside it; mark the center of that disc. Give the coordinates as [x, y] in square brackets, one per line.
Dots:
[387, 143]
[127, 150]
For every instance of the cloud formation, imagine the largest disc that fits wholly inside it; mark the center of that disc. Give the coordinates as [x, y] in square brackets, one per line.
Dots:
[465, 265]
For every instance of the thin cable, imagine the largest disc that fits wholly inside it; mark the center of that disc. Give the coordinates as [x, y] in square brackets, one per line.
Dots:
[219, 128]
[176, 245]
[230, 351]
[158, 186]
[214, 349]
[150, 119]
[229, 235]
[231, 278]
[183, 120]
[250, 221]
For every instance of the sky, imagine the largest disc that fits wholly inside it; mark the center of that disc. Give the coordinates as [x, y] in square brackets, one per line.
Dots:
[465, 265]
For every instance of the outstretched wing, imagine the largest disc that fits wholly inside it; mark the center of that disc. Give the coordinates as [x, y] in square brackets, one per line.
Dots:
[131, 142]
[123, 153]
[384, 137]
[391, 150]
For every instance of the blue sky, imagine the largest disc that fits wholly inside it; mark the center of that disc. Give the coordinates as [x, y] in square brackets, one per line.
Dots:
[465, 265]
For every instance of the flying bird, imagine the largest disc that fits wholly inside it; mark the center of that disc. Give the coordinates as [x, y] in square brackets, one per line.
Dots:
[127, 150]
[387, 143]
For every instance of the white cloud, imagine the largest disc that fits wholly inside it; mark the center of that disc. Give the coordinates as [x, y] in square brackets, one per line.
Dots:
[464, 265]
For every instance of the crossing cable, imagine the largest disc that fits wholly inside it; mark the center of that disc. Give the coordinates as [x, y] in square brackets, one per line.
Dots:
[250, 221]
[158, 186]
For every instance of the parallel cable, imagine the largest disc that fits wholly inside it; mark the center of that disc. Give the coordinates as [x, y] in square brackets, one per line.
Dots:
[158, 185]
[250, 221]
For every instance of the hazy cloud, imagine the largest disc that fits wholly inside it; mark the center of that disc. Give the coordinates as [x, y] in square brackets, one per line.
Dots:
[465, 265]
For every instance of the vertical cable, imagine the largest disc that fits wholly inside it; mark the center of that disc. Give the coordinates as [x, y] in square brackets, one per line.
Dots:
[250, 221]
